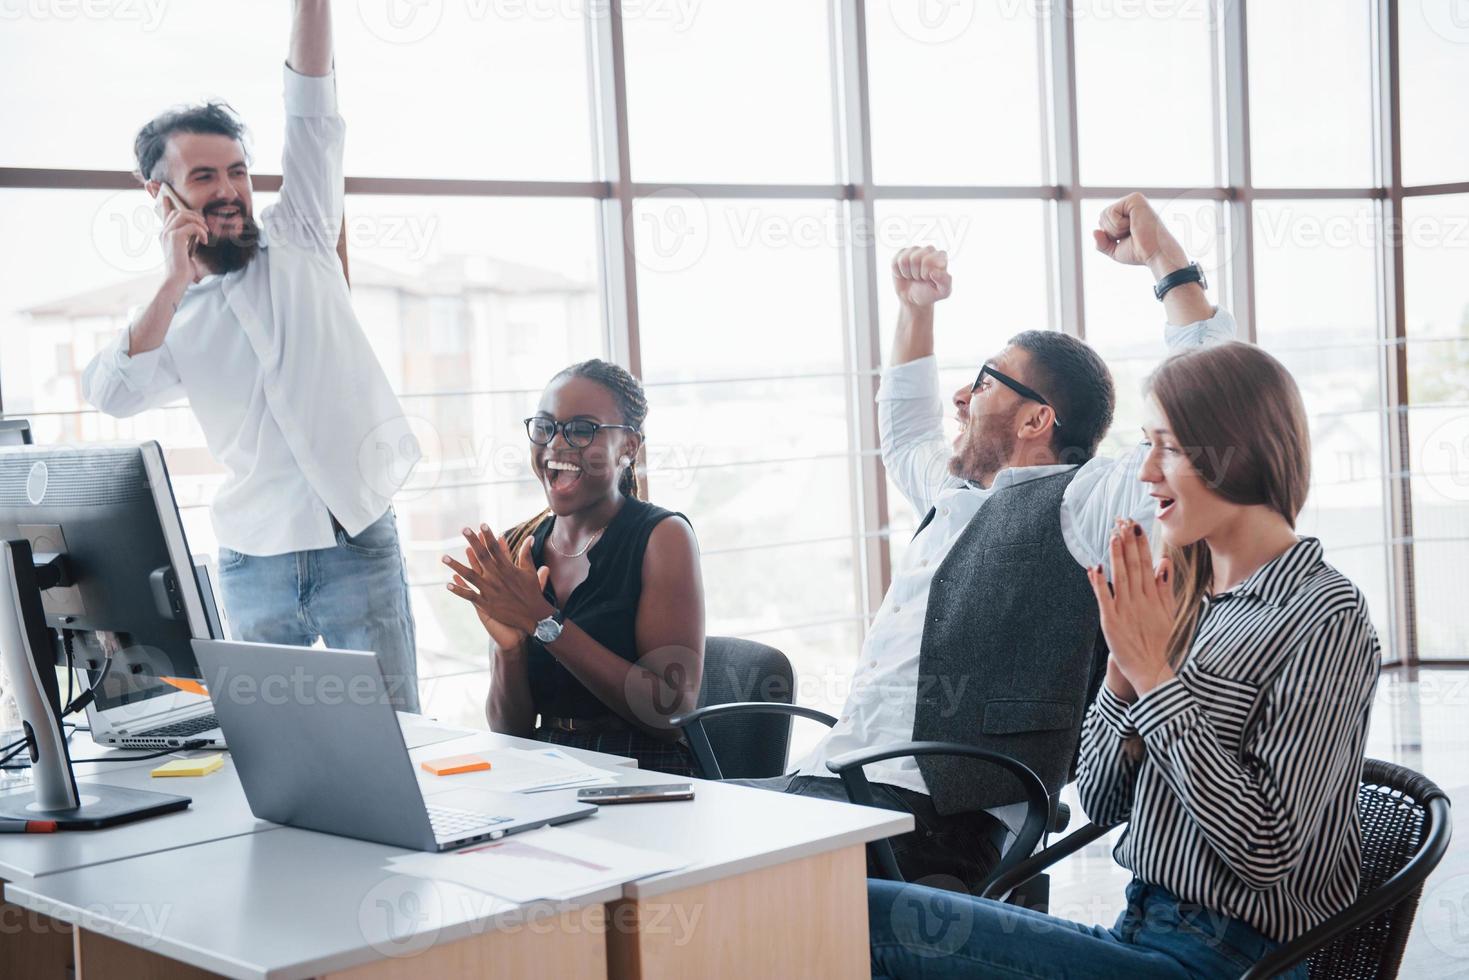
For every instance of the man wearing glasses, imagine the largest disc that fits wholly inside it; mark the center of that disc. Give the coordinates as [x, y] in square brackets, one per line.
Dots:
[989, 633]
[254, 325]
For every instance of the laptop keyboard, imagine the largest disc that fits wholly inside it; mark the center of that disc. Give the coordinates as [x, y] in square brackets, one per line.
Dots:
[448, 822]
[183, 728]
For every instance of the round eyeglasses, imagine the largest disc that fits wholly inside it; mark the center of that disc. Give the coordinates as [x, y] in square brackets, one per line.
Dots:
[579, 433]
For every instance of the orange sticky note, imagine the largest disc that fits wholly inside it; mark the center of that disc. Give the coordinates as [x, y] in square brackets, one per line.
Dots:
[186, 685]
[454, 764]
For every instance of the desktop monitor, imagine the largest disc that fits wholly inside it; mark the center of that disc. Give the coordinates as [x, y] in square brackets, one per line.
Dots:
[95, 551]
[109, 511]
[15, 432]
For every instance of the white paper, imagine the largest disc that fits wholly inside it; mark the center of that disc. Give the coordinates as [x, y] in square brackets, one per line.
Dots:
[522, 770]
[549, 863]
[589, 775]
[419, 731]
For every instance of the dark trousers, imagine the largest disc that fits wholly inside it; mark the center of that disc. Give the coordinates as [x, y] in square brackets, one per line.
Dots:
[956, 853]
[651, 753]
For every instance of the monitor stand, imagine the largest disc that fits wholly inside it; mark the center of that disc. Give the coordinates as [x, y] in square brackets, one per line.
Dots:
[26, 645]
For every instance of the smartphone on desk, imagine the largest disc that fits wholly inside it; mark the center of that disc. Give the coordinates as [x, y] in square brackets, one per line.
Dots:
[636, 794]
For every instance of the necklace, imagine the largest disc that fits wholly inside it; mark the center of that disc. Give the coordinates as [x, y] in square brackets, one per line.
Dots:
[584, 548]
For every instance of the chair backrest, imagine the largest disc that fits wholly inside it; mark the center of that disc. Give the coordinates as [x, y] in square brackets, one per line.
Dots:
[1392, 803]
[747, 746]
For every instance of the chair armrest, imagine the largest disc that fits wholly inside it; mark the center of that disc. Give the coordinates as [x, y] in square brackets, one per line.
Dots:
[1405, 884]
[1023, 871]
[693, 726]
[849, 765]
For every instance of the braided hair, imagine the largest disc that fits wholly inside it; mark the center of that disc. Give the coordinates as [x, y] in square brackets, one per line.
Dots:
[632, 401]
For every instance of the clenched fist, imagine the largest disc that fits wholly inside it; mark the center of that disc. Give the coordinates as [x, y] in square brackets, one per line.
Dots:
[1131, 232]
[921, 276]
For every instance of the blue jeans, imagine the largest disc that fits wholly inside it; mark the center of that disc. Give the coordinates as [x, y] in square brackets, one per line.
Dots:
[919, 932]
[353, 597]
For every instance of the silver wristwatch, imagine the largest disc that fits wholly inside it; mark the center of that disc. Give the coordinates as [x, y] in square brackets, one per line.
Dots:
[549, 629]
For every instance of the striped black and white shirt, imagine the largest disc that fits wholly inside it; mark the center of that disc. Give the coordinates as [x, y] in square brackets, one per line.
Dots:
[1243, 796]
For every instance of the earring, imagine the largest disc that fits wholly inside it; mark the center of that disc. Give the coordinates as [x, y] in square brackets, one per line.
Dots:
[623, 461]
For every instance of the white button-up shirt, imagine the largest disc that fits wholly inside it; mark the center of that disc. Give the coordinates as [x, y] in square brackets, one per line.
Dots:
[880, 709]
[289, 394]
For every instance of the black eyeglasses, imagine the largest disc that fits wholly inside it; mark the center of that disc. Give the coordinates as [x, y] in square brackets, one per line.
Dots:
[580, 433]
[1024, 391]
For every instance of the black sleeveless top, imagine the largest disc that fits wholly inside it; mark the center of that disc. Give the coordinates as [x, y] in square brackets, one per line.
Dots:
[605, 606]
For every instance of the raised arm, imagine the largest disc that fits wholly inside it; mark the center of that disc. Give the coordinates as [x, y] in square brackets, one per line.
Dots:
[1131, 232]
[311, 38]
[910, 411]
[312, 184]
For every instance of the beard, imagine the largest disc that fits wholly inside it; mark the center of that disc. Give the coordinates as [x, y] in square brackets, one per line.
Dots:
[986, 449]
[221, 255]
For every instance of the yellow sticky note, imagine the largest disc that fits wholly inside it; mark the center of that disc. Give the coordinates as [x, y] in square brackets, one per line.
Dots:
[201, 766]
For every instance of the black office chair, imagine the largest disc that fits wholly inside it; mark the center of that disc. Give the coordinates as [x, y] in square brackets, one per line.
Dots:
[751, 744]
[1405, 833]
[1042, 811]
[1038, 804]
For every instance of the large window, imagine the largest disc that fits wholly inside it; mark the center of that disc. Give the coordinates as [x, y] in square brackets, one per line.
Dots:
[740, 265]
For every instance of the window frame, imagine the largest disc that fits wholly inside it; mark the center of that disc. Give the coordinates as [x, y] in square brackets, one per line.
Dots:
[855, 192]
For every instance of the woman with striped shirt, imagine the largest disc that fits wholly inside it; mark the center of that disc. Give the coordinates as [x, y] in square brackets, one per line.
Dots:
[1228, 735]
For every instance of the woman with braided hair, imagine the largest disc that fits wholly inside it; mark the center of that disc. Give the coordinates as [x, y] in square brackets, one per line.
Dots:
[594, 607]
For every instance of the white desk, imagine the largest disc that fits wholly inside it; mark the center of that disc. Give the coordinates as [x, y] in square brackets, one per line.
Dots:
[292, 904]
[33, 944]
[775, 885]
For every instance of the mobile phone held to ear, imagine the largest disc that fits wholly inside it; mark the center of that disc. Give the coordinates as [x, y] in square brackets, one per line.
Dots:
[636, 794]
[166, 191]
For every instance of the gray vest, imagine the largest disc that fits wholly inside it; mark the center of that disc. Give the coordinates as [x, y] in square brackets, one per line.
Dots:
[1011, 653]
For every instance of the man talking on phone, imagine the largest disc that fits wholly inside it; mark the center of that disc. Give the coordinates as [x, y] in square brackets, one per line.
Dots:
[253, 324]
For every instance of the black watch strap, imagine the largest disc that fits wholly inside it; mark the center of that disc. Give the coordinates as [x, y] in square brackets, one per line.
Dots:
[1189, 273]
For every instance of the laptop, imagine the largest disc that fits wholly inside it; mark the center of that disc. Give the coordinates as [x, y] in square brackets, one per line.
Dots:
[146, 713]
[317, 745]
